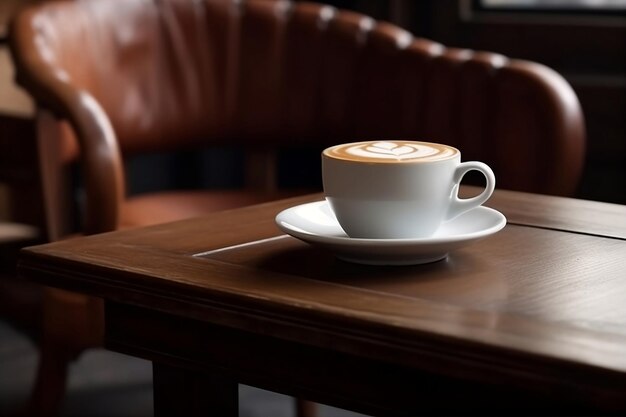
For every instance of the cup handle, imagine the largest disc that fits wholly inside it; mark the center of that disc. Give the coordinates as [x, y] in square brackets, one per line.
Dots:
[461, 205]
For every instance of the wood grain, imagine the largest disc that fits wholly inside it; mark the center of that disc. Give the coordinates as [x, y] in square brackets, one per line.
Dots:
[537, 307]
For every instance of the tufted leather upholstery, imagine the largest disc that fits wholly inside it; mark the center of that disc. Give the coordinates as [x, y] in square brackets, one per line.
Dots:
[116, 78]
[139, 75]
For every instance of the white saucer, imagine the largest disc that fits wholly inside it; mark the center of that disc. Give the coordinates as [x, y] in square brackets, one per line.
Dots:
[316, 224]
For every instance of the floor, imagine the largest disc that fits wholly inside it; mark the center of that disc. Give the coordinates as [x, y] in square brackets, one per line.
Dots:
[104, 383]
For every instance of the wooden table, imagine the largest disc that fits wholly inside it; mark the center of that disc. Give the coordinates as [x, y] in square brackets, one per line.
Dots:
[532, 319]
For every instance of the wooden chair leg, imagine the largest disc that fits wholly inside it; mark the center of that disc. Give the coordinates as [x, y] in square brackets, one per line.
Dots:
[71, 324]
[51, 381]
[305, 408]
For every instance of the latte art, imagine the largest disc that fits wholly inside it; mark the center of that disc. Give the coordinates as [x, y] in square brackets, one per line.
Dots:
[391, 151]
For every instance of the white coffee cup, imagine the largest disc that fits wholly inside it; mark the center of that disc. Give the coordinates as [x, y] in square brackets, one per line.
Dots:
[397, 189]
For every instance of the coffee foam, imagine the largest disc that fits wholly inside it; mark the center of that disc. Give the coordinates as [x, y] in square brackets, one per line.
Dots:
[391, 151]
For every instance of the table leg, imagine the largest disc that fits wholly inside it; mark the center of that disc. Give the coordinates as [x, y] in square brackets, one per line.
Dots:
[181, 392]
